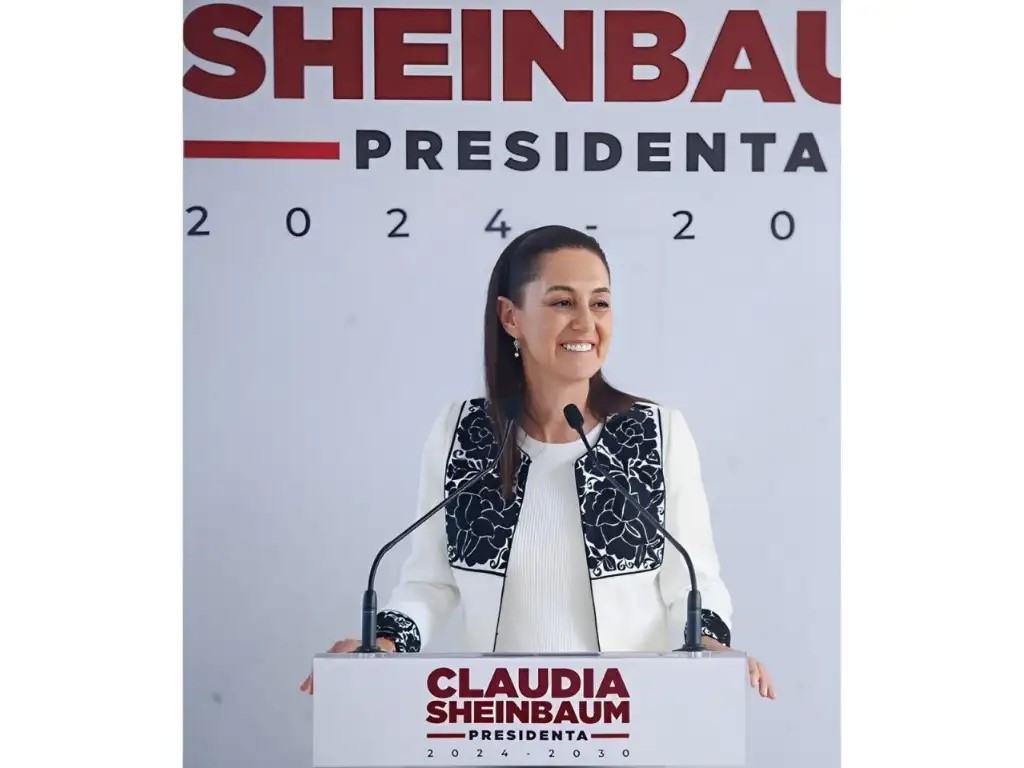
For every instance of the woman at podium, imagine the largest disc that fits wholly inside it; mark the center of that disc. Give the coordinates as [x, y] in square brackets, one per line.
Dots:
[544, 553]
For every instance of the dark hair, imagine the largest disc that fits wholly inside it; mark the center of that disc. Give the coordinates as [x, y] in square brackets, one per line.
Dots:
[518, 265]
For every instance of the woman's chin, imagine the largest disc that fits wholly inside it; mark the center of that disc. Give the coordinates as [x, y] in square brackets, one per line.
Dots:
[582, 370]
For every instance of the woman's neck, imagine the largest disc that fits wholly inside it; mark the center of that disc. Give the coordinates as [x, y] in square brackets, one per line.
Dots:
[543, 414]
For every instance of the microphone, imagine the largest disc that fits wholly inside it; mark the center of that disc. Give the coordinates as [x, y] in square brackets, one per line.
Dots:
[369, 639]
[693, 604]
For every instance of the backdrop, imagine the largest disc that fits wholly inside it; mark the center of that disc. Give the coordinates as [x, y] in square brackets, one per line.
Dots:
[352, 174]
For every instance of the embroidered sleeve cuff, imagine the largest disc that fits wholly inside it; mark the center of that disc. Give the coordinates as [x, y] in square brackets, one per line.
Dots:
[401, 629]
[711, 625]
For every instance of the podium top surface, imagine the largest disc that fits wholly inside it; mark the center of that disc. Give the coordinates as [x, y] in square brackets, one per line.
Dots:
[709, 654]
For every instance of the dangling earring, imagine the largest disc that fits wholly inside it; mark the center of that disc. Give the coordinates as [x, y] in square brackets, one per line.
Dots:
[515, 344]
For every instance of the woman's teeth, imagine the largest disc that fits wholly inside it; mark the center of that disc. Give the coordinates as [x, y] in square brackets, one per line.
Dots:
[578, 347]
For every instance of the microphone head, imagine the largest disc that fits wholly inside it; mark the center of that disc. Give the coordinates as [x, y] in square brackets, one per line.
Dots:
[573, 416]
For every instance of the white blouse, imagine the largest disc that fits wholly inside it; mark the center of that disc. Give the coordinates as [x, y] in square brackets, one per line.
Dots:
[547, 607]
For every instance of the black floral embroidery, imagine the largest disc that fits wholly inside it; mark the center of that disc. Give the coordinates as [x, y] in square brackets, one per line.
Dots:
[480, 522]
[711, 625]
[633, 435]
[401, 629]
[619, 540]
[477, 444]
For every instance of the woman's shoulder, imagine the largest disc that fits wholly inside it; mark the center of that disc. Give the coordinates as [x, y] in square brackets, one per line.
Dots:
[668, 420]
[455, 409]
[450, 413]
[667, 414]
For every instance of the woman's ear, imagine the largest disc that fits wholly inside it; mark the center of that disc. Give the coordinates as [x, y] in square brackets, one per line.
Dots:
[507, 316]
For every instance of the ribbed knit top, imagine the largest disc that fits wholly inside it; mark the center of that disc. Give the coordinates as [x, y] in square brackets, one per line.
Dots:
[547, 606]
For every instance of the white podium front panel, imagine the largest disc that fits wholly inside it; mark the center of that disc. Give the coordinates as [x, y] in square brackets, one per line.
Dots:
[675, 709]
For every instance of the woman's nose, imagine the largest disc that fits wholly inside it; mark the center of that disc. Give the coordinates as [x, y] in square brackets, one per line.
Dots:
[583, 320]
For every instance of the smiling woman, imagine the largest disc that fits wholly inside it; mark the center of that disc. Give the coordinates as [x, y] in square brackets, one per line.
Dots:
[547, 333]
[544, 552]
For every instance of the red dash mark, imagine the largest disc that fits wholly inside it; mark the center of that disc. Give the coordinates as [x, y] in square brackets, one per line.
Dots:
[609, 735]
[446, 735]
[264, 150]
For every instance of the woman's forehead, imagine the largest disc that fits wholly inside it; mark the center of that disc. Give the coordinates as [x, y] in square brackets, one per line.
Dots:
[573, 266]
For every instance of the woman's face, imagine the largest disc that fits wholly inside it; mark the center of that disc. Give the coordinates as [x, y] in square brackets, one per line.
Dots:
[564, 321]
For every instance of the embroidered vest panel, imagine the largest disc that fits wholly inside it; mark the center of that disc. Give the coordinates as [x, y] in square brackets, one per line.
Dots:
[619, 540]
[480, 522]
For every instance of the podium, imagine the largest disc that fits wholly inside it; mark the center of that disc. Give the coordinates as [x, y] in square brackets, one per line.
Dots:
[586, 709]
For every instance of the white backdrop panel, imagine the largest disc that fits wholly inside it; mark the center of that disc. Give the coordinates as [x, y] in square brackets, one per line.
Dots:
[314, 365]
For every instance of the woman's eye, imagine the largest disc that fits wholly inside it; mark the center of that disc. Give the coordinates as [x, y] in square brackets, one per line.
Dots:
[602, 304]
[563, 303]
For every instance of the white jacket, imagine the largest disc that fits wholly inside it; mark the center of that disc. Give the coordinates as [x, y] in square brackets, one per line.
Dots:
[639, 592]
